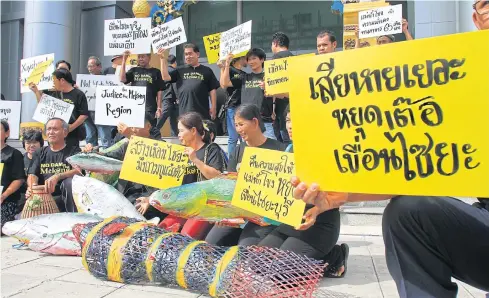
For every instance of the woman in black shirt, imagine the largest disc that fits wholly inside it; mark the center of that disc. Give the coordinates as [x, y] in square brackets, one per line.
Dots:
[13, 175]
[250, 127]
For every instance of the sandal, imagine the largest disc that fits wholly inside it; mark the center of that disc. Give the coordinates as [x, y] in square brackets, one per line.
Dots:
[332, 271]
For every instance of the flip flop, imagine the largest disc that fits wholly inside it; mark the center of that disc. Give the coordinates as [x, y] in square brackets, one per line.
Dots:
[332, 271]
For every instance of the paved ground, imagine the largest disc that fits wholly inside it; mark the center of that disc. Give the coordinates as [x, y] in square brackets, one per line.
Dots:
[28, 274]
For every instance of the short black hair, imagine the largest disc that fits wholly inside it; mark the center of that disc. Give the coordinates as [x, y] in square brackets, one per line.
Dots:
[281, 39]
[332, 36]
[6, 127]
[63, 61]
[192, 46]
[32, 135]
[257, 52]
[64, 74]
[171, 59]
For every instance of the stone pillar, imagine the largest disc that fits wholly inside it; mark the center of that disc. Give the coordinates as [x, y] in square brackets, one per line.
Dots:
[47, 29]
[465, 11]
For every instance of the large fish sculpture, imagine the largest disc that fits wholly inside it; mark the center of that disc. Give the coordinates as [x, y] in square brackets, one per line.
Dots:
[98, 198]
[62, 243]
[208, 200]
[124, 250]
[94, 162]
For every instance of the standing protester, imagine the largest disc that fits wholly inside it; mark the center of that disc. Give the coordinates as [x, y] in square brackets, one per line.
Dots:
[149, 77]
[233, 101]
[63, 84]
[251, 87]
[170, 101]
[326, 42]
[195, 83]
[94, 132]
[13, 176]
[116, 61]
[49, 166]
[62, 64]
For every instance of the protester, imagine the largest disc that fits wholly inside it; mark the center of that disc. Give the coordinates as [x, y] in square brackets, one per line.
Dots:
[94, 132]
[13, 176]
[326, 42]
[62, 64]
[116, 61]
[195, 83]
[170, 102]
[50, 168]
[32, 140]
[250, 127]
[210, 126]
[251, 87]
[233, 101]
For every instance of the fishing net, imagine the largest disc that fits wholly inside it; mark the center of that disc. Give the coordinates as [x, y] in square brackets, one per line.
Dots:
[125, 250]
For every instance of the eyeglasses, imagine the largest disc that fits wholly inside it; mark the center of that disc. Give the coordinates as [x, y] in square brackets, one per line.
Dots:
[481, 7]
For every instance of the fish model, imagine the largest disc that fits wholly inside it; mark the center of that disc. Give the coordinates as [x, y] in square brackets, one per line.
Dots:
[98, 198]
[25, 230]
[208, 200]
[63, 243]
[94, 162]
[124, 250]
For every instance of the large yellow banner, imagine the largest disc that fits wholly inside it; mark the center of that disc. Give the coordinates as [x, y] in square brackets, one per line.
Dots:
[277, 74]
[405, 118]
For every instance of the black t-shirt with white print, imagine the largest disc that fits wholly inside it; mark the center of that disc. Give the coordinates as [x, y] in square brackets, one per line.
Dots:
[149, 78]
[12, 170]
[212, 156]
[251, 93]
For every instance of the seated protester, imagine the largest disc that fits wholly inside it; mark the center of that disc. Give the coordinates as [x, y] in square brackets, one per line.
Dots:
[63, 84]
[249, 126]
[317, 237]
[50, 168]
[206, 161]
[32, 140]
[13, 176]
[210, 126]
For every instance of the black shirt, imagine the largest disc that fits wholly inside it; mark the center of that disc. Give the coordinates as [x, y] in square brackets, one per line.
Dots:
[46, 163]
[12, 170]
[251, 93]
[281, 104]
[234, 95]
[236, 158]
[194, 85]
[109, 71]
[27, 163]
[77, 98]
[149, 78]
[212, 156]
[170, 94]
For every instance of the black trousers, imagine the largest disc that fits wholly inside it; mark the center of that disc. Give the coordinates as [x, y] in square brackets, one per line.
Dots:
[251, 234]
[428, 240]
[64, 200]
[169, 110]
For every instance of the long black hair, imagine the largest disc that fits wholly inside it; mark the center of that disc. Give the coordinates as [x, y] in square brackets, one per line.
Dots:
[193, 119]
[250, 112]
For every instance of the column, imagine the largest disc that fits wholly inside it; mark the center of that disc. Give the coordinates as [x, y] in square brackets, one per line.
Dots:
[465, 11]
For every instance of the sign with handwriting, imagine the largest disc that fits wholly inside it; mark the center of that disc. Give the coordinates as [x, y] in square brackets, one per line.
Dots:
[37, 70]
[127, 34]
[277, 76]
[212, 44]
[116, 104]
[380, 21]
[154, 163]
[168, 35]
[51, 107]
[10, 112]
[236, 40]
[88, 84]
[412, 119]
[264, 187]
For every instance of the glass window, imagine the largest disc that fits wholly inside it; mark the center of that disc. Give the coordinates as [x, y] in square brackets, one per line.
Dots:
[208, 17]
[300, 20]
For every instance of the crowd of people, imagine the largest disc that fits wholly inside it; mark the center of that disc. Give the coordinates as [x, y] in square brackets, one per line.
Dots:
[428, 240]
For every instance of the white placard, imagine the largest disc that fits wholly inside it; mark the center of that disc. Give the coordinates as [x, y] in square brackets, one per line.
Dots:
[380, 21]
[236, 40]
[51, 107]
[88, 84]
[118, 70]
[115, 104]
[27, 67]
[127, 34]
[10, 112]
[168, 35]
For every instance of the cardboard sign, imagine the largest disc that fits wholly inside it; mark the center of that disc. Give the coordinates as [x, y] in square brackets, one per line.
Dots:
[88, 84]
[154, 163]
[412, 119]
[50, 107]
[212, 46]
[116, 104]
[168, 35]
[37, 70]
[264, 187]
[10, 112]
[235, 40]
[277, 76]
[380, 21]
[121, 35]
[25, 126]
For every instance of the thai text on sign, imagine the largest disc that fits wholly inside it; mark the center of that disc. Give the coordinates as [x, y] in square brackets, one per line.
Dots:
[277, 75]
[168, 35]
[10, 112]
[120, 104]
[236, 40]
[380, 21]
[37, 70]
[50, 107]
[127, 34]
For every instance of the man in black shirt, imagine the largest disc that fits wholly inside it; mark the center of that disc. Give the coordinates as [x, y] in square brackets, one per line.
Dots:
[250, 86]
[63, 84]
[170, 102]
[49, 166]
[195, 83]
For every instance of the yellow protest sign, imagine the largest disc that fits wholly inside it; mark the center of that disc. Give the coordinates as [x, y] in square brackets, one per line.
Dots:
[154, 163]
[277, 75]
[264, 188]
[1, 170]
[212, 45]
[411, 119]
[25, 126]
[37, 72]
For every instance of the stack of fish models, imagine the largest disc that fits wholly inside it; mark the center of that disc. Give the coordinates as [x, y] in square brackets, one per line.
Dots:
[125, 250]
